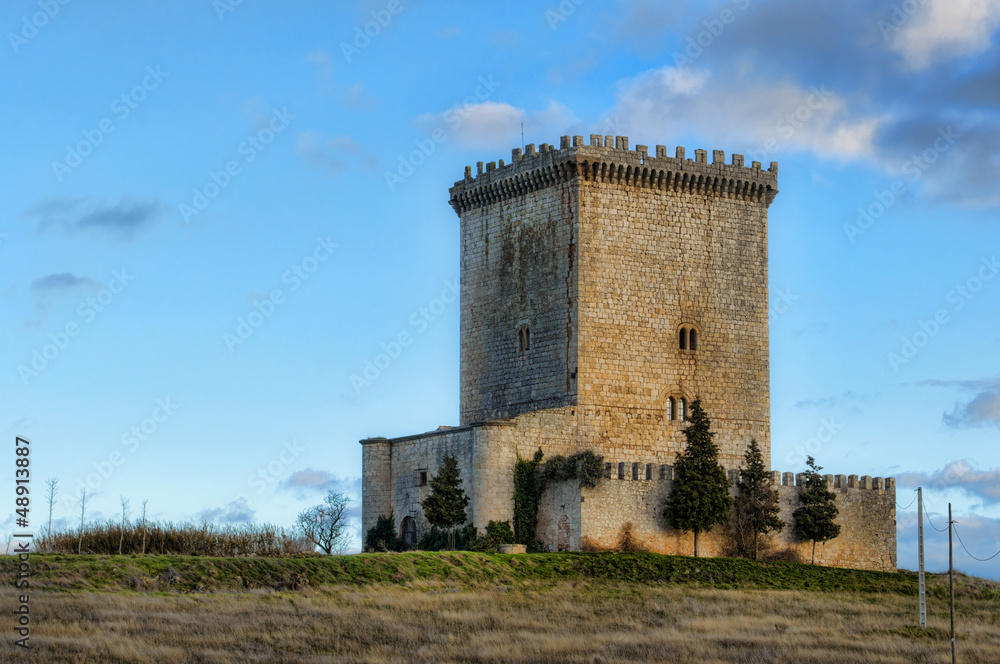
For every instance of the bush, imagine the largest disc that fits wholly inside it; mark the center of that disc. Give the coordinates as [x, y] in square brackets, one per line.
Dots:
[382, 537]
[205, 539]
[436, 539]
[497, 533]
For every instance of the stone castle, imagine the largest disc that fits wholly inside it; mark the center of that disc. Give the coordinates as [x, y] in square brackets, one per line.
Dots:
[603, 289]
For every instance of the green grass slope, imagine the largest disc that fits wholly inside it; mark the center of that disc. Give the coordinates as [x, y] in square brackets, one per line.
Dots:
[461, 569]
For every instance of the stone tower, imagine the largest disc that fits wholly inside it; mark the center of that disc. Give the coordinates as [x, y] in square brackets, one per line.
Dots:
[603, 290]
[584, 266]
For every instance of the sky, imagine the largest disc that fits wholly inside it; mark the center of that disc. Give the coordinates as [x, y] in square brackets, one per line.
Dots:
[218, 212]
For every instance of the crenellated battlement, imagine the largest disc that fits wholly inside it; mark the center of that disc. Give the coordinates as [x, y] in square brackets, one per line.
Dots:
[608, 159]
[643, 471]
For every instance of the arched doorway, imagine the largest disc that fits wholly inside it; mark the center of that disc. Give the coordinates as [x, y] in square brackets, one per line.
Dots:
[409, 532]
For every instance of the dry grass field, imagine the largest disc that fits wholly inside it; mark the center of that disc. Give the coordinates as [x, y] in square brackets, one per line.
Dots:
[531, 620]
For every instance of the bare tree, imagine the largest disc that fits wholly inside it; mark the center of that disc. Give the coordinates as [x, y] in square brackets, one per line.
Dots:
[83, 515]
[144, 525]
[121, 539]
[10, 536]
[325, 525]
[53, 484]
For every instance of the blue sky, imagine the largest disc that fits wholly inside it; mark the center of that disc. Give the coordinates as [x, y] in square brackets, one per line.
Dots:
[217, 212]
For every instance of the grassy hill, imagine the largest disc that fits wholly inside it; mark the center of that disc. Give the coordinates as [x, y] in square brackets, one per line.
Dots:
[587, 608]
[464, 569]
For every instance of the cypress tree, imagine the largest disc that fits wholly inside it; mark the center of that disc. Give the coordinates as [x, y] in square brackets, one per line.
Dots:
[445, 506]
[815, 519]
[756, 507]
[700, 497]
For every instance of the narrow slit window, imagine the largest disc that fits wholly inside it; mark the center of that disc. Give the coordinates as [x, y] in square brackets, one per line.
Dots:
[520, 340]
[621, 470]
[671, 409]
[527, 338]
[694, 340]
[649, 471]
[684, 409]
[683, 338]
[635, 471]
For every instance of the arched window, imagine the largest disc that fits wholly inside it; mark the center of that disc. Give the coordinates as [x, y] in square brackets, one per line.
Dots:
[687, 337]
[520, 340]
[527, 338]
[408, 529]
[684, 409]
[671, 409]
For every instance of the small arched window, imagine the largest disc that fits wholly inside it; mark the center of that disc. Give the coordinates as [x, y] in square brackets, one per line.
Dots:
[527, 338]
[520, 340]
[687, 337]
[671, 409]
[684, 409]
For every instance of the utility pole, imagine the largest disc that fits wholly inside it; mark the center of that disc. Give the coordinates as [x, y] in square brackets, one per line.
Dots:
[951, 584]
[920, 555]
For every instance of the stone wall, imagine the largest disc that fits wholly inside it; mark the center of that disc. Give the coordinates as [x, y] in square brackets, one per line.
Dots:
[390, 471]
[518, 289]
[867, 517]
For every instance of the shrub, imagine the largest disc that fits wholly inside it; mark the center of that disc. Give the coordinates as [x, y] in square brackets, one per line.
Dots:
[205, 539]
[436, 539]
[497, 533]
[382, 536]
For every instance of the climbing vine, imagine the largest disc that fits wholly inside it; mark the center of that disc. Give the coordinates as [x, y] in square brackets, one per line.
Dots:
[527, 491]
[531, 476]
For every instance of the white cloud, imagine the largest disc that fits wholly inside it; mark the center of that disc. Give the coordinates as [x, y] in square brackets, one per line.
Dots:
[496, 125]
[946, 28]
[760, 120]
[982, 484]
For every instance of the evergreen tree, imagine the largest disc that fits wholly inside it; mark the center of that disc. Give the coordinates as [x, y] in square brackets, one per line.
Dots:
[700, 498]
[815, 519]
[756, 507]
[445, 506]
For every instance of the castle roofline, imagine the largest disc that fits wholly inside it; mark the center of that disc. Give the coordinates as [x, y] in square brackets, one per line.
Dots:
[609, 159]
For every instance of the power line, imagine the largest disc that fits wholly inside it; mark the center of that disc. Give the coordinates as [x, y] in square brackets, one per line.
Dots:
[982, 560]
[928, 515]
[908, 506]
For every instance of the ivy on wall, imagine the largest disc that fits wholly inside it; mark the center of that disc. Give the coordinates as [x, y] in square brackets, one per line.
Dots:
[531, 476]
